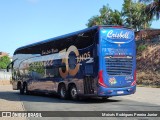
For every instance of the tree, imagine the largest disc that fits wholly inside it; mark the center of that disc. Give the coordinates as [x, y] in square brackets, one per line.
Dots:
[4, 61]
[135, 16]
[95, 20]
[107, 17]
[153, 8]
[116, 18]
[132, 15]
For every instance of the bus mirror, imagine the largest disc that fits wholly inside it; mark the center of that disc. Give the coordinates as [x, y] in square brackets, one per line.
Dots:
[8, 68]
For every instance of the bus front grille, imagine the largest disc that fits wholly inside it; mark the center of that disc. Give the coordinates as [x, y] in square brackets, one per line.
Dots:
[119, 65]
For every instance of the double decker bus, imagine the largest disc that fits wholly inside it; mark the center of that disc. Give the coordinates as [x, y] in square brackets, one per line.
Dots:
[98, 61]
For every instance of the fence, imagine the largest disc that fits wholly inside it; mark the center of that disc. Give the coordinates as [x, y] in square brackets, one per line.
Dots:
[4, 75]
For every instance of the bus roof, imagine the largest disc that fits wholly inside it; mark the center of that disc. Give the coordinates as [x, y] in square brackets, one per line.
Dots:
[65, 36]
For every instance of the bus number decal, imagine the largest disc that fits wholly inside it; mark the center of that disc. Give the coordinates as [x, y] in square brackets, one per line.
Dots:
[65, 61]
[69, 71]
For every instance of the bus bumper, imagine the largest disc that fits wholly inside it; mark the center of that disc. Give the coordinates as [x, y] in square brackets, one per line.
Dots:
[102, 92]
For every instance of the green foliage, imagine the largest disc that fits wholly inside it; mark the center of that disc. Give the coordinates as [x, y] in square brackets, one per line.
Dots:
[95, 20]
[141, 48]
[4, 61]
[116, 18]
[135, 16]
[152, 9]
[37, 68]
[107, 17]
[132, 15]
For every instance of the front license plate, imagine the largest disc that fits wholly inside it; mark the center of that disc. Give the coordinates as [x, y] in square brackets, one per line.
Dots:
[120, 92]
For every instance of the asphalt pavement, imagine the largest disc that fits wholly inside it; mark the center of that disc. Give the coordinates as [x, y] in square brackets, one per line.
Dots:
[145, 99]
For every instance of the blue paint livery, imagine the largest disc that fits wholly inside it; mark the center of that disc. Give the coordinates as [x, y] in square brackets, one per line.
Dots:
[100, 61]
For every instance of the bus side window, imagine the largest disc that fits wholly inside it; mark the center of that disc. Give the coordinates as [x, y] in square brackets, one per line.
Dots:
[84, 40]
[52, 72]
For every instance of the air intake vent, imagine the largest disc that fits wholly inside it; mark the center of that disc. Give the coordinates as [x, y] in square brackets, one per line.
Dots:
[88, 85]
[119, 65]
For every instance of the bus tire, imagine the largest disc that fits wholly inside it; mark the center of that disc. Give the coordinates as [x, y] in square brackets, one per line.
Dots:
[25, 87]
[21, 90]
[73, 92]
[62, 92]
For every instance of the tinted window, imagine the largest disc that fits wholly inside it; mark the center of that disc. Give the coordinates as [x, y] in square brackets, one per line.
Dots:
[82, 40]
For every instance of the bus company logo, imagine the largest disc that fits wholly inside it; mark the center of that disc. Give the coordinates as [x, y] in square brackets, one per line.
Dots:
[83, 57]
[112, 81]
[51, 51]
[117, 35]
[80, 58]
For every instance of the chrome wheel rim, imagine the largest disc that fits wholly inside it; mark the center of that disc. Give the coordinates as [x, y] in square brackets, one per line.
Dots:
[73, 92]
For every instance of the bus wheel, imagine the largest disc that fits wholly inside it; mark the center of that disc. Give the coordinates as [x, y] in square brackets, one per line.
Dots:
[73, 92]
[62, 92]
[21, 90]
[25, 87]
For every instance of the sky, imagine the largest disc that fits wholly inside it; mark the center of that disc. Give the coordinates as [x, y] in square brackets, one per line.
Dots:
[24, 22]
